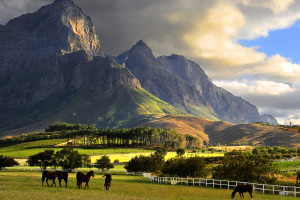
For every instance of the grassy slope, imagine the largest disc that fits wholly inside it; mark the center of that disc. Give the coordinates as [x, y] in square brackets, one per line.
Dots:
[224, 132]
[125, 108]
[27, 185]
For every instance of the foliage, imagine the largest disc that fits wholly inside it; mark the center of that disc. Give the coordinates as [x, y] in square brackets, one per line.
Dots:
[86, 160]
[152, 163]
[161, 152]
[63, 126]
[104, 162]
[7, 161]
[246, 168]
[186, 167]
[192, 141]
[180, 152]
[42, 159]
[68, 158]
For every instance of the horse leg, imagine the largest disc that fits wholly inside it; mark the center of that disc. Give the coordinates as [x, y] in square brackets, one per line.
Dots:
[59, 181]
[66, 181]
[251, 195]
[47, 181]
[243, 195]
[43, 179]
[54, 182]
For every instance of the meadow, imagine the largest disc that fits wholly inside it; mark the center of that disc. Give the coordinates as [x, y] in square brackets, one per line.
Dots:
[27, 185]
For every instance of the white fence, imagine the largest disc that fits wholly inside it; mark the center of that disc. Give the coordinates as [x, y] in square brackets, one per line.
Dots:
[224, 184]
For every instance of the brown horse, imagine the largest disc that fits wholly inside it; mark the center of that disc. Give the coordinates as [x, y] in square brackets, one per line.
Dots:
[63, 175]
[49, 175]
[241, 189]
[107, 181]
[84, 178]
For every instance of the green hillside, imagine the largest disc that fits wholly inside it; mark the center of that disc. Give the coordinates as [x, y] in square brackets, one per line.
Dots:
[127, 107]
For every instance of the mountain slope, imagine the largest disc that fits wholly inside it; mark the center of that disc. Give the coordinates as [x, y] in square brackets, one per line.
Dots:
[225, 133]
[163, 84]
[56, 74]
[185, 85]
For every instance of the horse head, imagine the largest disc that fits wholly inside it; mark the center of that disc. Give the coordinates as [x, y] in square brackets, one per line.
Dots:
[91, 173]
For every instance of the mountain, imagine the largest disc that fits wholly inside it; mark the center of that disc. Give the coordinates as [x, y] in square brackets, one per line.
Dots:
[52, 70]
[162, 83]
[224, 133]
[183, 84]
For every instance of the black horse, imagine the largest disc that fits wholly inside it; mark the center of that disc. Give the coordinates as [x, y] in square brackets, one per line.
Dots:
[49, 175]
[63, 175]
[241, 189]
[108, 179]
[84, 178]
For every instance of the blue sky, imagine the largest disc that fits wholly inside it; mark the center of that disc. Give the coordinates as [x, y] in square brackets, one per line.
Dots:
[285, 42]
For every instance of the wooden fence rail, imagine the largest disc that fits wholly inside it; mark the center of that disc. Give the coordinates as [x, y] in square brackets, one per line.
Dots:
[224, 184]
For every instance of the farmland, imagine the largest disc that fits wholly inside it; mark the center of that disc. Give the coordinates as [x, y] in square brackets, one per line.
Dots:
[27, 185]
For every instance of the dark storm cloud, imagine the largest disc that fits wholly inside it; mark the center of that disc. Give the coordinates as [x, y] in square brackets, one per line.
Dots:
[121, 23]
[10, 9]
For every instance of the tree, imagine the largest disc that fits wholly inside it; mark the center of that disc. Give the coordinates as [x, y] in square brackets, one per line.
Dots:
[42, 159]
[246, 168]
[180, 152]
[104, 162]
[68, 158]
[86, 160]
[152, 163]
[161, 152]
[7, 161]
[186, 167]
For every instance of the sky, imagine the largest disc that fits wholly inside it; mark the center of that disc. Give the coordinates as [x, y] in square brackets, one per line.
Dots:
[248, 47]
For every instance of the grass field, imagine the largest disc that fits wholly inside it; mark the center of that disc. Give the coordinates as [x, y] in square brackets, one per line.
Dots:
[27, 185]
[288, 164]
[25, 153]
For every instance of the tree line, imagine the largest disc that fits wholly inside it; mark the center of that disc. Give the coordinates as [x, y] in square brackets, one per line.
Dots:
[89, 136]
[242, 168]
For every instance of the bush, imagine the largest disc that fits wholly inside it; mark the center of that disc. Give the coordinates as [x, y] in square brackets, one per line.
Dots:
[186, 167]
[248, 169]
[152, 163]
[7, 161]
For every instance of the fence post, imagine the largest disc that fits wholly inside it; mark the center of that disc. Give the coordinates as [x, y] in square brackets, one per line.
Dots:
[273, 189]
[205, 182]
[263, 188]
[295, 191]
[193, 182]
[213, 183]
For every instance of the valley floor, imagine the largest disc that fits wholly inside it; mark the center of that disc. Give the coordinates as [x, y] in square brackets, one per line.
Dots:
[27, 185]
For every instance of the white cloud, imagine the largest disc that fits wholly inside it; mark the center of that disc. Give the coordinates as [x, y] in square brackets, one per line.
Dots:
[256, 88]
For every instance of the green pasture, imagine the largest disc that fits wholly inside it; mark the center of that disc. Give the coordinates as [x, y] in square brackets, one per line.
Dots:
[27, 185]
[39, 143]
[288, 164]
[25, 153]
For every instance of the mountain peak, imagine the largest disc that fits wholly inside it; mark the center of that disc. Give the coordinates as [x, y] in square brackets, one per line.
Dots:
[58, 28]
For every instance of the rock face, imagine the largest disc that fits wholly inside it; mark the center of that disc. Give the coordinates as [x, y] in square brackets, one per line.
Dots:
[185, 85]
[163, 83]
[55, 29]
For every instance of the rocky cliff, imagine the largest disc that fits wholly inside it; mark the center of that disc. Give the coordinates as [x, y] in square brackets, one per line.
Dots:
[185, 85]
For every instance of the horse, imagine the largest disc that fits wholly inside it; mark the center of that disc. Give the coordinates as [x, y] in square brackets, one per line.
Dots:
[107, 181]
[84, 178]
[49, 175]
[241, 189]
[63, 175]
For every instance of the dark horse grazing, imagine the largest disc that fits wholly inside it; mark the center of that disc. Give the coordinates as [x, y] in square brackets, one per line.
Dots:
[63, 175]
[49, 175]
[84, 178]
[241, 189]
[107, 181]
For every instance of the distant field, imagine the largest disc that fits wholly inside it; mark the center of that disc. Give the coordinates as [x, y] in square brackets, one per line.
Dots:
[288, 164]
[25, 153]
[27, 185]
[40, 143]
